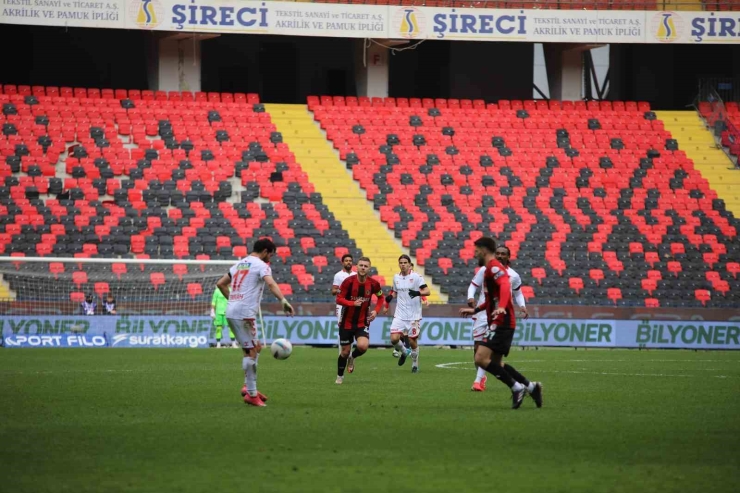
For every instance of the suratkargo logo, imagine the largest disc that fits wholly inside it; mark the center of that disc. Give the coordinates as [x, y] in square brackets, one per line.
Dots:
[147, 14]
[667, 27]
[409, 22]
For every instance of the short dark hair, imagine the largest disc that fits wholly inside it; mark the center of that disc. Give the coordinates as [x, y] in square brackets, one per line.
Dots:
[347, 255]
[406, 257]
[487, 243]
[508, 251]
[264, 244]
[366, 259]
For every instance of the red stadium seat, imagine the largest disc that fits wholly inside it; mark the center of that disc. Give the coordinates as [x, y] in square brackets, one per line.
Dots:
[320, 262]
[703, 295]
[286, 289]
[283, 252]
[445, 264]
[77, 297]
[652, 258]
[118, 269]
[180, 270]
[194, 289]
[79, 278]
[576, 284]
[239, 251]
[102, 288]
[597, 275]
[614, 294]
[649, 285]
[56, 268]
[528, 292]
[733, 268]
[157, 280]
[674, 268]
[652, 303]
[539, 274]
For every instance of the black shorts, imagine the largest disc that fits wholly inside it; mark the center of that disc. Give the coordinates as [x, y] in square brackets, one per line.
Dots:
[348, 336]
[499, 340]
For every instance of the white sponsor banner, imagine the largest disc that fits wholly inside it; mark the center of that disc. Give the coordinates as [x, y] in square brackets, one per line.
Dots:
[194, 331]
[72, 13]
[380, 21]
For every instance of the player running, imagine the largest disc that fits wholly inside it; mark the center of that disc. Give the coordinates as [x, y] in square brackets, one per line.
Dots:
[480, 323]
[409, 287]
[501, 321]
[339, 278]
[243, 286]
[355, 295]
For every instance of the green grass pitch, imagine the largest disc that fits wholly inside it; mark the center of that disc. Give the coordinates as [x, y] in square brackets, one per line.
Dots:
[168, 420]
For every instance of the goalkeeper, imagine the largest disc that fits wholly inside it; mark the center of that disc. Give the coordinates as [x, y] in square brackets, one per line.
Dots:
[218, 314]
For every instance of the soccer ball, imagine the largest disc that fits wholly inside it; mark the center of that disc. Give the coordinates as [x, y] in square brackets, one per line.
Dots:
[281, 348]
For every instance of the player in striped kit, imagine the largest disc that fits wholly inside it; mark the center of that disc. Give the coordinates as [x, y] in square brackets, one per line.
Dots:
[480, 323]
[409, 288]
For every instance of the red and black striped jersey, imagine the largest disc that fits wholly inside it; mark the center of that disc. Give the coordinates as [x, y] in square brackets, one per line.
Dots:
[355, 317]
[497, 287]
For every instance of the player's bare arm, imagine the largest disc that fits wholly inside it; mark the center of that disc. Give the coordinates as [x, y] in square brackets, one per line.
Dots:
[224, 284]
[275, 290]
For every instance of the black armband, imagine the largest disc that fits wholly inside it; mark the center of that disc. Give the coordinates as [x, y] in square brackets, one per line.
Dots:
[389, 298]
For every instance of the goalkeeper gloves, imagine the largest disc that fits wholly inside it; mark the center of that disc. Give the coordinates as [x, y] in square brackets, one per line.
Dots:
[213, 313]
[389, 298]
[413, 294]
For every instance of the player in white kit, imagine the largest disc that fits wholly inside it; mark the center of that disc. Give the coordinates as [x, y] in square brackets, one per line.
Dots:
[408, 288]
[480, 321]
[339, 278]
[243, 286]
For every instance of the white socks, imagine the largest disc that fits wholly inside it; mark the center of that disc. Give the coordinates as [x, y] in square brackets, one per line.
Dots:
[479, 376]
[415, 357]
[399, 346]
[517, 387]
[249, 365]
[530, 387]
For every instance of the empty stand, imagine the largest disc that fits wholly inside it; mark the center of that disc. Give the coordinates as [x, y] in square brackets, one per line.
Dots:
[127, 173]
[598, 192]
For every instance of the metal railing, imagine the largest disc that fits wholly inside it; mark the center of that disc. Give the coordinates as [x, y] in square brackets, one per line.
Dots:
[687, 5]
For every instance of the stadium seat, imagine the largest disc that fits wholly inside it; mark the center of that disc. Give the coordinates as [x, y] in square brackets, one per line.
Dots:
[528, 292]
[614, 294]
[76, 297]
[56, 268]
[79, 278]
[157, 279]
[101, 288]
[179, 270]
[118, 269]
[194, 290]
[286, 289]
[652, 303]
[703, 295]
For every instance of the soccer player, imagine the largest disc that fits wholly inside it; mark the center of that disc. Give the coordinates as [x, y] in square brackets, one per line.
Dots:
[480, 322]
[339, 278]
[243, 286]
[218, 314]
[355, 295]
[89, 305]
[405, 338]
[408, 287]
[501, 325]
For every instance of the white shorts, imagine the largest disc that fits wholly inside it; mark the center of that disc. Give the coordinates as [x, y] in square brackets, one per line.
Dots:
[339, 313]
[406, 327]
[245, 332]
[480, 327]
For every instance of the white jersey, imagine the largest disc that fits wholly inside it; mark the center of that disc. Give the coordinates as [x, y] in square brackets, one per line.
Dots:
[340, 276]
[407, 308]
[247, 285]
[514, 279]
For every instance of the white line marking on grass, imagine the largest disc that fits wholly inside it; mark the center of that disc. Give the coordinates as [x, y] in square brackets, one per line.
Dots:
[456, 365]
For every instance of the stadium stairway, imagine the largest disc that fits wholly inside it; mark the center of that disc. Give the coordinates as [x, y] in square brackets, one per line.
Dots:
[699, 145]
[339, 192]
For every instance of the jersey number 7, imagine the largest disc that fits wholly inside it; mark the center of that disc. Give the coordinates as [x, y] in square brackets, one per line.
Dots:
[239, 279]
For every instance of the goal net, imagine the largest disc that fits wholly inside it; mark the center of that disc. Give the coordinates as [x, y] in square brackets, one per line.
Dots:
[83, 286]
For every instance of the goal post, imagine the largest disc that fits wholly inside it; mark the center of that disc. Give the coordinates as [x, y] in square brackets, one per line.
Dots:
[59, 286]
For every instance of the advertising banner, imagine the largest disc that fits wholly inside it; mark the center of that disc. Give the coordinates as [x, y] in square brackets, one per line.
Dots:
[194, 332]
[381, 21]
